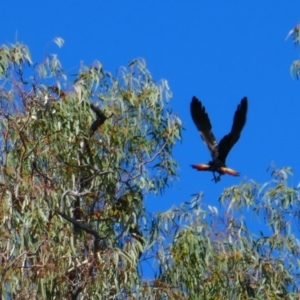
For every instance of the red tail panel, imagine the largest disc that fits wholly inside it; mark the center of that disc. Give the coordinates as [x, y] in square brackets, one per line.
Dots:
[202, 167]
[229, 171]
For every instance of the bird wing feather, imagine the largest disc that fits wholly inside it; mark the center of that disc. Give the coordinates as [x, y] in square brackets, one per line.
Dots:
[202, 122]
[100, 118]
[99, 113]
[230, 139]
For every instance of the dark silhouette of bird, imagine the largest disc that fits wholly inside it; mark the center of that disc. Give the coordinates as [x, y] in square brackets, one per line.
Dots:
[219, 151]
[100, 118]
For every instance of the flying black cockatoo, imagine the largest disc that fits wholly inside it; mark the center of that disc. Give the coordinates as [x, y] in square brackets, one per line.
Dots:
[219, 151]
[100, 118]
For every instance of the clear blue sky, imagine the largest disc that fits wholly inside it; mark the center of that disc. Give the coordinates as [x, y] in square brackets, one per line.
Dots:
[219, 51]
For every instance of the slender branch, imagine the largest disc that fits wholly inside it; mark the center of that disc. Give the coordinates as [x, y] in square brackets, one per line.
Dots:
[72, 193]
[82, 226]
[148, 161]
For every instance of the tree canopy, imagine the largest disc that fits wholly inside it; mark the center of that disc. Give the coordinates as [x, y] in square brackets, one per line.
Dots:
[79, 155]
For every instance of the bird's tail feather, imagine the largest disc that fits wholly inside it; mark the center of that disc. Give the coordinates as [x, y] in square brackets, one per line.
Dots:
[229, 171]
[202, 167]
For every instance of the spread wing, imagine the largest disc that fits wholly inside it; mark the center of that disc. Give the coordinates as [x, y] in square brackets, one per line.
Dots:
[99, 113]
[100, 118]
[230, 139]
[201, 120]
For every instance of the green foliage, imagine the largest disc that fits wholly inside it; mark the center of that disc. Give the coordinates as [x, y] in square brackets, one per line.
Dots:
[295, 34]
[72, 201]
[216, 256]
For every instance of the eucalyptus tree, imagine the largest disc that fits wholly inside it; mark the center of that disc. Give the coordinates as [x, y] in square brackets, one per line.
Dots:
[78, 157]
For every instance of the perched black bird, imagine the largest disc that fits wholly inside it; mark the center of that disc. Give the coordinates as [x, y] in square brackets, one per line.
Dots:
[219, 151]
[100, 118]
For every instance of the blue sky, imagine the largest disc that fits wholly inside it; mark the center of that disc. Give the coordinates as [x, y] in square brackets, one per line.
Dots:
[219, 51]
